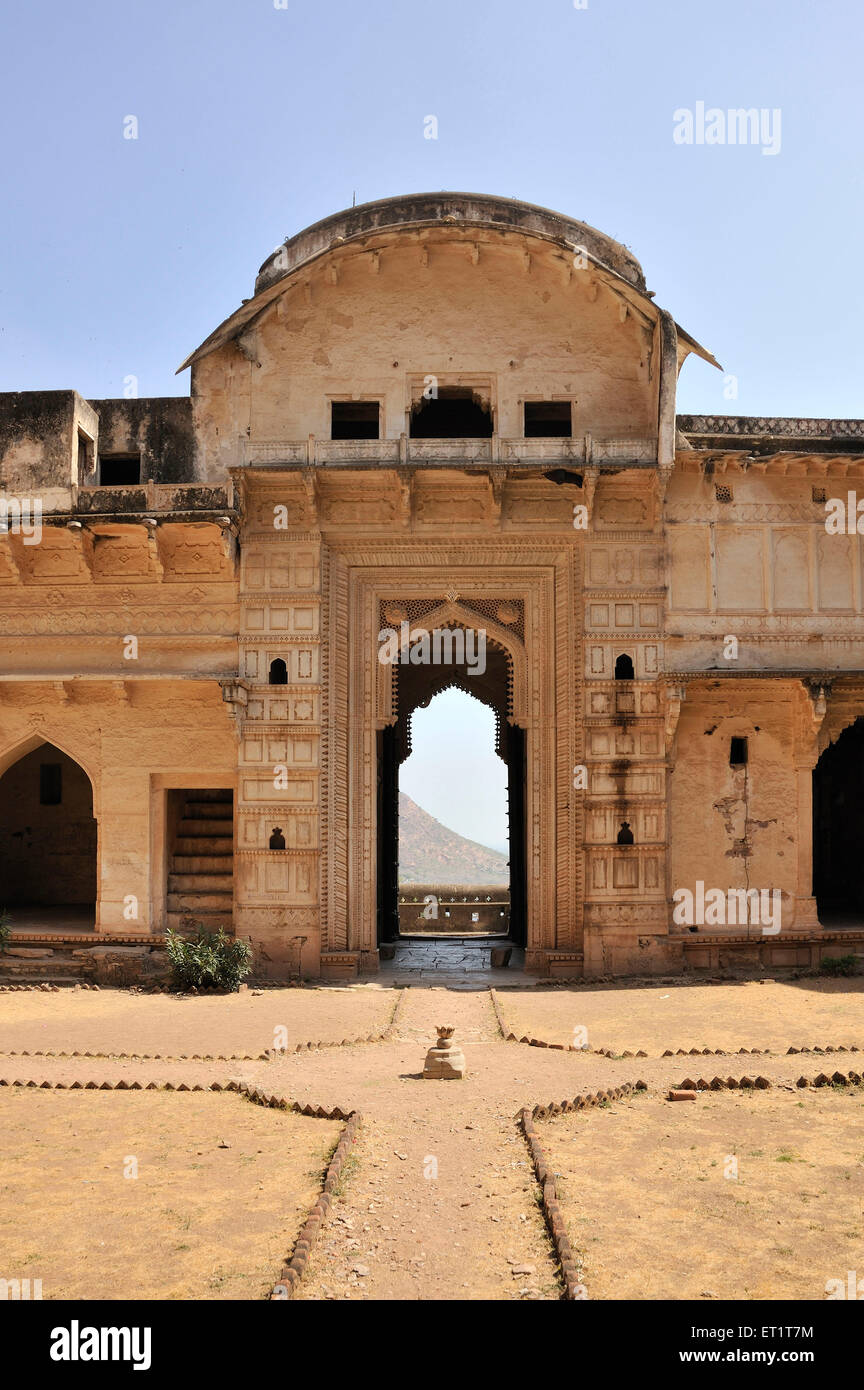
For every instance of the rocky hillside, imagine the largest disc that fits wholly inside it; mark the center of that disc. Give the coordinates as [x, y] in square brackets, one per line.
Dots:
[430, 853]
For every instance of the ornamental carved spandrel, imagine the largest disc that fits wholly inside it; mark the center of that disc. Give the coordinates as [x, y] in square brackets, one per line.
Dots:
[509, 613]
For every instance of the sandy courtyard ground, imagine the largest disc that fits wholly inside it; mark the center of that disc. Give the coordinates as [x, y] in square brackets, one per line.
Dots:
[111, 1022]
[649, 1198]
[200, 1221]
[438, 1200]
[772, 1014]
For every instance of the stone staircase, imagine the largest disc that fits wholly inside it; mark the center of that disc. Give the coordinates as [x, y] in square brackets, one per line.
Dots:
[33, 965]
[201, 874]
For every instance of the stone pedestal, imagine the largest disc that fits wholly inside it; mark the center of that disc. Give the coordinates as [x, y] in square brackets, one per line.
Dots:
[445, 1061]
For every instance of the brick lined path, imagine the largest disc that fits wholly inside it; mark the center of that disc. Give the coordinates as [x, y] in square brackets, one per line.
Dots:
[439, 1202]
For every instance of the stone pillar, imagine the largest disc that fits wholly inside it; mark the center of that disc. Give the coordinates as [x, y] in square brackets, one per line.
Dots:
[806, 915]
[279, 729]
[123, 902]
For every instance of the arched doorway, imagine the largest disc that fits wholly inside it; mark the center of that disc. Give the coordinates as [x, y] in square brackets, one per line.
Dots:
[838, 829]
[494, 913]
[48, 842]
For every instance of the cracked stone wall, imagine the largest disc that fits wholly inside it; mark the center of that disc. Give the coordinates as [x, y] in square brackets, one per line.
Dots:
[735, 827]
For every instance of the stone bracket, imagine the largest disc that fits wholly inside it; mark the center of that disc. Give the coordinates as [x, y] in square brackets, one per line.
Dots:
[817, 691]
[675, 694]
[235, 694]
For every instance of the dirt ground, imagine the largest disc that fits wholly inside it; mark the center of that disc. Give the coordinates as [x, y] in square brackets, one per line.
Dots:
[438, 1200]
[770, 1014]
[200, 1221]
[110, 1022]
[649, 1200]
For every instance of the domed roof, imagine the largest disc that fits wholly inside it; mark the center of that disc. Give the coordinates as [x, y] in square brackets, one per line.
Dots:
[416, 210]
[454, 211]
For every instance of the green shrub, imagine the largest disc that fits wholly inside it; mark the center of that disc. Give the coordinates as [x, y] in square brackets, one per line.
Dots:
[839, 965]
[5, 928]
[209, 960]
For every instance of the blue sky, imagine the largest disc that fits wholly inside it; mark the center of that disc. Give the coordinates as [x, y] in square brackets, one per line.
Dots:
[453, 771]
[118, 256]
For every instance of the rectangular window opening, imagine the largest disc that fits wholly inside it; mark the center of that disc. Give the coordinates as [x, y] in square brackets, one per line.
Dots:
[119, 470]
[548, 420]
[50, 784]
[451, 412]
[85, 455]
[355, 419]
[738, 752]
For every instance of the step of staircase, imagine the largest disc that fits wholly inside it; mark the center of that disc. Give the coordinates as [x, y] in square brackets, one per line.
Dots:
[202, 864]
[209, 810]
[210, 918]
[200, 883]
[45, 969]
[199, 902]
[188, 842]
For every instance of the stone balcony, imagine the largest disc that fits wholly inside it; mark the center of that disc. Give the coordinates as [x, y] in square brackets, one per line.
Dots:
[191, 501]
[583, 450]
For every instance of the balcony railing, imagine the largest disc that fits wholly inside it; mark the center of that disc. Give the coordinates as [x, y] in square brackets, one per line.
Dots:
[583, 450]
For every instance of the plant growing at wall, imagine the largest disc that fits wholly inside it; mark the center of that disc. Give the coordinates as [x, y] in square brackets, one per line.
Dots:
[208, 960]
[839, 965]
[5, 928]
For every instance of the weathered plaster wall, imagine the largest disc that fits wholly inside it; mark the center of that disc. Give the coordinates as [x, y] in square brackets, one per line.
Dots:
[737, 827]
[159, 428]
[762, 568]
[367, 325]
[39, 435]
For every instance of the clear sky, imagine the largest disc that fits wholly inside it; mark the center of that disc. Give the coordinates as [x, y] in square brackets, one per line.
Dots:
[117, 256]
[453, 771]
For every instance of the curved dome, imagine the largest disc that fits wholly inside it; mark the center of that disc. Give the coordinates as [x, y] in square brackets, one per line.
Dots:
[415, 210]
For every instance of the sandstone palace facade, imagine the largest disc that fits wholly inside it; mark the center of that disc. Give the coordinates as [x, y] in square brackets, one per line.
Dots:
[443, 412]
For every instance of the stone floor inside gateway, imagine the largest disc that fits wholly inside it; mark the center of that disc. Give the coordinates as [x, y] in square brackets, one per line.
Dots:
[454, 961]
[438, 1195]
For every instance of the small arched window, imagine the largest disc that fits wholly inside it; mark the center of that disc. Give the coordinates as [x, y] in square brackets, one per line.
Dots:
[277, 839]
[278, 672]
[625, 834]
[624, 668]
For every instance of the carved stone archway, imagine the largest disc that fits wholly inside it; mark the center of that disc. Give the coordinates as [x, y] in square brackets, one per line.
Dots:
[475, 658]
[360, 700]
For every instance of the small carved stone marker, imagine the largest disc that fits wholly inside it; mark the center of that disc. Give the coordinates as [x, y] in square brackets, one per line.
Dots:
[444, 1062]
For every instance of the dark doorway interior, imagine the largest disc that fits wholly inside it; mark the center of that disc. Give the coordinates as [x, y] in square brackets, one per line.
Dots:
[838, 829]
[455, 412]
[47, 839]
[416, 686]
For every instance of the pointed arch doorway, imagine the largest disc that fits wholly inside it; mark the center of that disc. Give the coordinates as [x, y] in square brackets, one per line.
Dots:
[838, 829]
[436, 907]
[48, 842]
